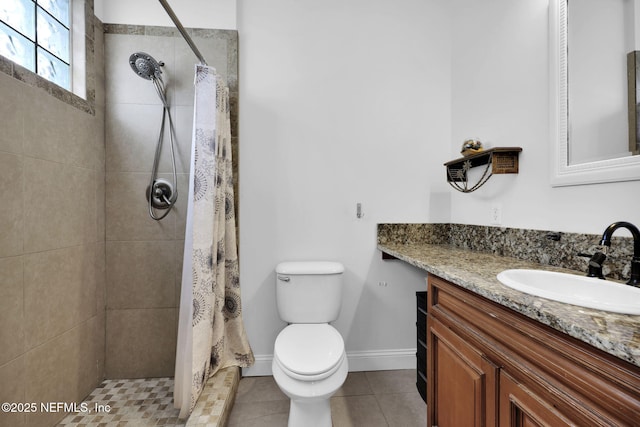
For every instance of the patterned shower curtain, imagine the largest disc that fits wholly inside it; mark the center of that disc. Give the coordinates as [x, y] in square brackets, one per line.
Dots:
[210, 333]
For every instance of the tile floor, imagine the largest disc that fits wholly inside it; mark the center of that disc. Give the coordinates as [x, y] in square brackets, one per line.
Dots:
[149, 402]
[367, 399]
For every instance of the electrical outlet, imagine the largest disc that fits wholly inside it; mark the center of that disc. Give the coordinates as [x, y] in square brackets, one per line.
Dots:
[496, 214]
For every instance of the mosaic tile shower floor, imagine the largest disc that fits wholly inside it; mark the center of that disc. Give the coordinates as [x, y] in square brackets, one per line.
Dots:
[149, 402]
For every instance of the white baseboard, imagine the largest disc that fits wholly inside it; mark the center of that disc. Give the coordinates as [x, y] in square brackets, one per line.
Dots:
[261, 368]
[382, 360]
[375, 360]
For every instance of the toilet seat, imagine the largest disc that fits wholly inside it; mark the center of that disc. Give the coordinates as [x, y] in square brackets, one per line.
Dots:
[309, 352]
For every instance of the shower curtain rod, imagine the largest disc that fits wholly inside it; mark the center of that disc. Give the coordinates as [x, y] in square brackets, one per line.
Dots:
[184, 33]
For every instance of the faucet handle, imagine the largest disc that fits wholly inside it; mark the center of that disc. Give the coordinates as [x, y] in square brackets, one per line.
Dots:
[595, 264]
[597, 259]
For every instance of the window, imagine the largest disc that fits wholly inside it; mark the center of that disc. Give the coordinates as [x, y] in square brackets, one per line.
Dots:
[36, 35]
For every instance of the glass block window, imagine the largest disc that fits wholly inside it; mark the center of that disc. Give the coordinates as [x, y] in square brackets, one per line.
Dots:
[36, 34]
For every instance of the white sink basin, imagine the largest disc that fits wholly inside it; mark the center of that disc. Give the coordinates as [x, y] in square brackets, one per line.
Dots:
[572, 289]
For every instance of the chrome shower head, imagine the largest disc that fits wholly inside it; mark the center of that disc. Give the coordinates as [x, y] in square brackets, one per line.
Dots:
[145, 66]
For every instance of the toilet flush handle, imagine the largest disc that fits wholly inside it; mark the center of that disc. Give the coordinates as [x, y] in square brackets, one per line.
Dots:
[284, 278]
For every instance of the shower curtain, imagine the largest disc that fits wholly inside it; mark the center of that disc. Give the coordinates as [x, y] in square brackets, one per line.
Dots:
[210, 333]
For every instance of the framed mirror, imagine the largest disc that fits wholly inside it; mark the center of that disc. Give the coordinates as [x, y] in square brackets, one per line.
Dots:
[594, 102]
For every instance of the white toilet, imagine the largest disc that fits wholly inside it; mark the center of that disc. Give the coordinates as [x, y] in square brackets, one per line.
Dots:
[309, 361]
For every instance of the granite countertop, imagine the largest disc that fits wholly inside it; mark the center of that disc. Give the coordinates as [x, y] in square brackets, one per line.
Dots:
[616, 334]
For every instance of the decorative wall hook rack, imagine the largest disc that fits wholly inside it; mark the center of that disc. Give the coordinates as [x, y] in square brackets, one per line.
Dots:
[499, 160]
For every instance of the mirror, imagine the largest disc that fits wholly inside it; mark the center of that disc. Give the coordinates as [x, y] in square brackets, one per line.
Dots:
[593, 96]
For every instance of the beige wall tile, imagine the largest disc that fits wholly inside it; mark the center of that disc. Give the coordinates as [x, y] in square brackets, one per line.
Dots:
[60, 291]
[141, 274]
[100, 342]
[100, 277]
[12, 378]
[57, 131]
[215, 52]
[179, 251]
[101, 208]
[141, 343]
[127, 210]
[131, 137]
[12, 110]
[11, 208]
[101, 302]
[180, 208]
[60, 205]
[61, 370]
[51, 154]
[183, 123]
[82, 149]
[87, 342]
[99, 139]
[11, 309]
[132, 121]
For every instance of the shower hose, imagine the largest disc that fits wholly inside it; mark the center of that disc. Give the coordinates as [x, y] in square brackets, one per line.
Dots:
[158, 194]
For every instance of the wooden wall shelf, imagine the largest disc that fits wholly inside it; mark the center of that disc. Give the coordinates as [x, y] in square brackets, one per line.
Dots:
[499, 160]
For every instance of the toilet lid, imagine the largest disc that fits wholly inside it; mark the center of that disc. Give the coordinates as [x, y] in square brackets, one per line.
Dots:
[309, 349]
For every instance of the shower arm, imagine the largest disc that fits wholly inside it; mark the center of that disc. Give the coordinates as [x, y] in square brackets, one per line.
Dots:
[184, 33]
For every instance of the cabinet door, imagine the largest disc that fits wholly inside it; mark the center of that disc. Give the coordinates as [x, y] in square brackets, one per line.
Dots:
[462, 383]
[521, 408]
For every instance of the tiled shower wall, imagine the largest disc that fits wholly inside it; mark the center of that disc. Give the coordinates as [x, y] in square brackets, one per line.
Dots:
[51, 237]
[143, 256]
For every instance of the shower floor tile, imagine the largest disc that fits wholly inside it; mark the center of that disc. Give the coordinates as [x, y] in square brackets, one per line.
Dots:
[138, 402]
[149, 402]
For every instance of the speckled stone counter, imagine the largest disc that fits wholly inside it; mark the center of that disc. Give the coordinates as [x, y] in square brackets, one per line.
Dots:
[616, 334]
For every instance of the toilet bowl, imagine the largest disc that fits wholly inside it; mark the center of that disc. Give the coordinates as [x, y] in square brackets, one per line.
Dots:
[309, 366]
[309, 360]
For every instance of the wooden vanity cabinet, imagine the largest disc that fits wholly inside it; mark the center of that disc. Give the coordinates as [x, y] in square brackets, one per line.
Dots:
[490, 366]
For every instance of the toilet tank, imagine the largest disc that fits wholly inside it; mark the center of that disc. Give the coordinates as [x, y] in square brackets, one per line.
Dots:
[309, 291]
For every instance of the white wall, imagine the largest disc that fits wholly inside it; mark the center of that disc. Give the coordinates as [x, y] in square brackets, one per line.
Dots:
[340, 103]
[500, 94]
[363, 101]
[218, 14]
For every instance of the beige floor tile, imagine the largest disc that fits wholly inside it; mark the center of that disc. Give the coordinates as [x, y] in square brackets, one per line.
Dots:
[267, 413]
[367, 399]
[403, 409]
[399, 381]
[357, 411]
[259, 389]
[355, 384]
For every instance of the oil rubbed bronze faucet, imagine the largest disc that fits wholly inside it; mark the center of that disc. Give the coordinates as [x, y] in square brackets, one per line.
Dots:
[634, 280]
[595, 265]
